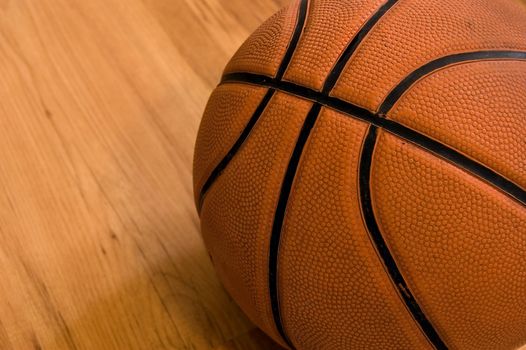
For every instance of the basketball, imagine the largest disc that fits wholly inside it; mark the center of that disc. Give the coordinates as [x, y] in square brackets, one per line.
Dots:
[360, 175]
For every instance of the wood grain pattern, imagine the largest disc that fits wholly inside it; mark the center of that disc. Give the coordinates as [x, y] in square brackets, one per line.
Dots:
[101, 101]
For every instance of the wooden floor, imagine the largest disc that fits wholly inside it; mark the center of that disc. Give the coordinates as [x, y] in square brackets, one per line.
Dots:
[100, 105]
[100, 102]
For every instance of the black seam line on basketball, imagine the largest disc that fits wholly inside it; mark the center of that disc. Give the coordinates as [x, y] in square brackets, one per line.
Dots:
[274, 246]
[218, 170]
[279, 216]
[334, 75]
[442, 62]
[300, 24]
[421, 140]
[381, 245]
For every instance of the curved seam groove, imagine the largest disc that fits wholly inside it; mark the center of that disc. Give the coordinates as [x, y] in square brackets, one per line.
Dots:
[381, 245]
[218, 170]
[443, 62]
[446, 152]
[469, 165]
[301, 18]
[340, 65]
[279, 216]
[300, 25]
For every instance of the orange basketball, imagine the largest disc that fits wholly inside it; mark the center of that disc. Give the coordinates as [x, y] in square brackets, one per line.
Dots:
[360, 175]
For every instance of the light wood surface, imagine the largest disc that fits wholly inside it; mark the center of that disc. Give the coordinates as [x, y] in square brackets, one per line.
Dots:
[100, 105]
[100, 102]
